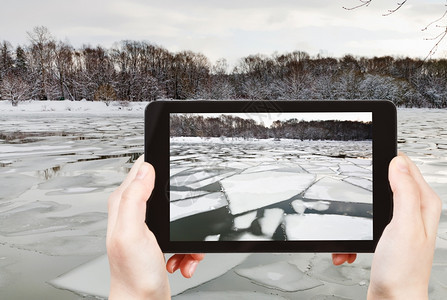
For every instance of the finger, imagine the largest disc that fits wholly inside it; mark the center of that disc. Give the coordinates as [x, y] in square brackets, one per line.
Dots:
[341, 258]
[173, 263]
[351, 258]
[115, 197]
[406, 194]
[431, 204]
[197, 256]
[132, 173]
[188, 266]
[132, 207]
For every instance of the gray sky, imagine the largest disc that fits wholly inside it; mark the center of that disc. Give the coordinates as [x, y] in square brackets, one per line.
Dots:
[232, 29]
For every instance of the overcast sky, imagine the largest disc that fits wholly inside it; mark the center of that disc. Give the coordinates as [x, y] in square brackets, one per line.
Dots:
[233, 29]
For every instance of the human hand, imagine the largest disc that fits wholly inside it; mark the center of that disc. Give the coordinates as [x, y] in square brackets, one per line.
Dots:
[137, 265]
[404, 255]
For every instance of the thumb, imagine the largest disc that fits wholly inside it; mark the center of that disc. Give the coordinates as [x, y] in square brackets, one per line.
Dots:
[132, 210]
[406, 194]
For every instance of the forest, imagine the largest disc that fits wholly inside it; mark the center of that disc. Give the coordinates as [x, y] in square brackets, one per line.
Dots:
[50, 69]
[187, 125]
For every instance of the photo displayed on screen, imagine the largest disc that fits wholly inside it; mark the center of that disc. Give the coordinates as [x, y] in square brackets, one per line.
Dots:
[271, 176]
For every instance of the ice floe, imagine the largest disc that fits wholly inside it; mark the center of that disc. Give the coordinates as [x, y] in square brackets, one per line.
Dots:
[281, 275]
[183, 208]
[336, 190]
[271, 220]
[225, 295]
[361, 182]
[212, 266]
[247, 192]
[181, 195]
[328, 227]
[212, 238]
[300, 206]
[244, 221]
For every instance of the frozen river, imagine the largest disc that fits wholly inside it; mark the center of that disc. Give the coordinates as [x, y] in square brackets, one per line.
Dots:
[57, 170]
[250, 189]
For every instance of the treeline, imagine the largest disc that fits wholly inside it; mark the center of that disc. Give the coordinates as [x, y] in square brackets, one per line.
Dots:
[47, 68]
[236, 127]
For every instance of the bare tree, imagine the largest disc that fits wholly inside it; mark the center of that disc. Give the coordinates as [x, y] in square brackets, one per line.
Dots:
[42, 49]
[14, 88]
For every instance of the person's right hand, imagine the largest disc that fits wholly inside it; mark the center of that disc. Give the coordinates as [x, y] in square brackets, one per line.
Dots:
[404, 255]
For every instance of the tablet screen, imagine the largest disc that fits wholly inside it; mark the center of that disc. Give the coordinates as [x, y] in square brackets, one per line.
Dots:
[271, 176]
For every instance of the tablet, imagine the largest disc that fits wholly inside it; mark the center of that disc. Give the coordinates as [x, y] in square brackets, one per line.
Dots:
[269, 176]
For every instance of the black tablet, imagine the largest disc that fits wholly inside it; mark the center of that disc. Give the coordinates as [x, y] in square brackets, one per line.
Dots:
[269, 176]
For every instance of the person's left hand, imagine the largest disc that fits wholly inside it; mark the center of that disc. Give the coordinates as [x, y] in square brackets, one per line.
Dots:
[137, 265]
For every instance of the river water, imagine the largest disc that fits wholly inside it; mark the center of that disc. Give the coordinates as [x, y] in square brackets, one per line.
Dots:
[57, 170]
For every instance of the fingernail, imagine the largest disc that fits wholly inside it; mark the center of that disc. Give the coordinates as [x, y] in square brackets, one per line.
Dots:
[142, 171]
[192, 267]
[402, 165]
[176, 265]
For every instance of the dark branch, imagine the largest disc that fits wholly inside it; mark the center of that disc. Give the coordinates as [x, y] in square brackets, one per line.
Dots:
[435, 21]
[399, 5]
[440, 37]
[364, 3]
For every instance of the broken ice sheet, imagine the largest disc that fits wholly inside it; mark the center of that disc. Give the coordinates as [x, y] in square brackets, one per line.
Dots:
[183, 208]
[247, 192]
[271, 220]
[300, 206]
[175, 171]
[225, 295]
[247, 236]
[180, 195]
[281, 276]
[361, 182]
[353, 170]
[211, 238]
[336, 190]
[327, 227]
[244, 221]
[323, 269]
[212, 266]
[360, 161]
[329, 297]
[205, 182]
[284, 167]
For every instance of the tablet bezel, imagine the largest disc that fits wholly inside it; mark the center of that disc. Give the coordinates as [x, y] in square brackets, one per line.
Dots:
[157, 152]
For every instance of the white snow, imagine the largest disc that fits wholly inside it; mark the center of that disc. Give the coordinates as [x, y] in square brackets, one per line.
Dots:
[336, 190]
[247, 192]
[82, 107]
[183, 208]
[328, 227]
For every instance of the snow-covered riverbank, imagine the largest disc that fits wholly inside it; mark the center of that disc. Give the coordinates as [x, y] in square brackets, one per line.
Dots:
[73, 107]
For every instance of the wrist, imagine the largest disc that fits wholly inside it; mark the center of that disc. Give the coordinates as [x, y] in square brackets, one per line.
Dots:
[397, 294]
[119, 292]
